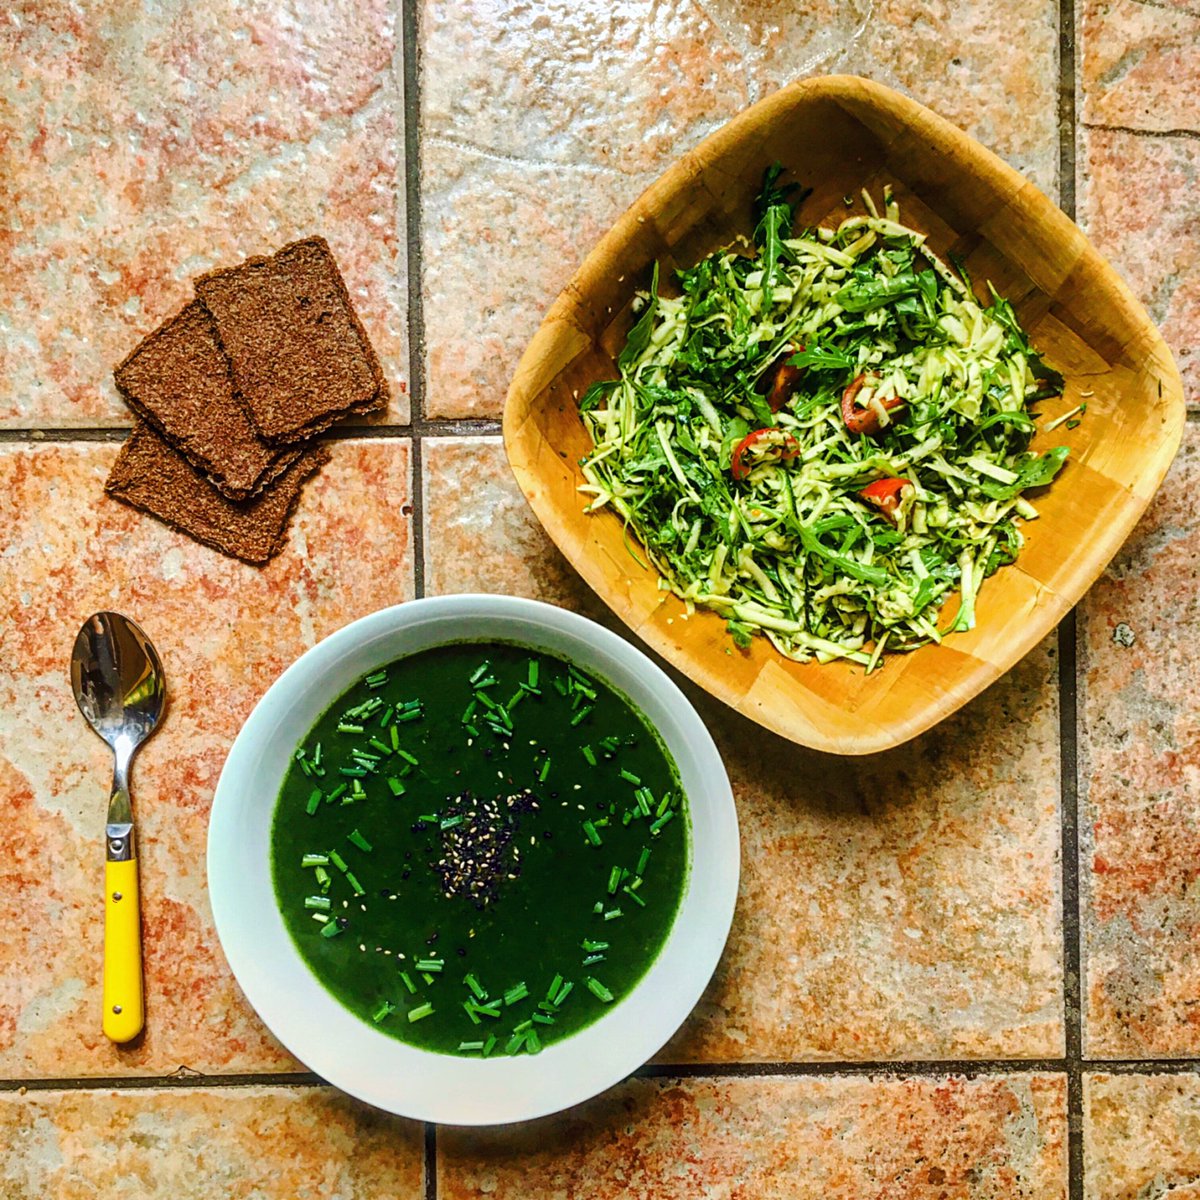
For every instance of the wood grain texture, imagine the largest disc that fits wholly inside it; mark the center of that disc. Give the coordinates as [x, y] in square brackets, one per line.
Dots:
[842, 133]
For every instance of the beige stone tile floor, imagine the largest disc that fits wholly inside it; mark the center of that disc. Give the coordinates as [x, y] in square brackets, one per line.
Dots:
[808, 1139]
[1142, 1139]
[224, 630]
[149, 143]
[196, 1144]
[903, 906]
[912, 909]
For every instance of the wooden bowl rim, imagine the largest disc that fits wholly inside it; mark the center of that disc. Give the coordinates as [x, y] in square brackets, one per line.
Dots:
[1005, 181]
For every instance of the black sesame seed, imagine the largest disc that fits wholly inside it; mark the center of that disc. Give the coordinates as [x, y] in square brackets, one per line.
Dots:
[342, 922]
[547, 834]
[461, 952]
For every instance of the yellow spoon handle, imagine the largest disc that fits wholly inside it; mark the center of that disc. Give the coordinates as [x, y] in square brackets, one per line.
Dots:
[123, 1010]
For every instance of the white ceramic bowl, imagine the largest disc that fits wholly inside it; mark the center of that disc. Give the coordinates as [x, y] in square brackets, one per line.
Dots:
[348, 1051]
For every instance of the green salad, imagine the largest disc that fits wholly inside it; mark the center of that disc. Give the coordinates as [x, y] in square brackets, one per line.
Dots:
[823, 439]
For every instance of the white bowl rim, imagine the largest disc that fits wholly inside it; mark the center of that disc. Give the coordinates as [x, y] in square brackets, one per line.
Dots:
[369, 1064]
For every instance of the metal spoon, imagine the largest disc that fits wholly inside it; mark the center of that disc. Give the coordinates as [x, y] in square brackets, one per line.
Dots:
[118, 681]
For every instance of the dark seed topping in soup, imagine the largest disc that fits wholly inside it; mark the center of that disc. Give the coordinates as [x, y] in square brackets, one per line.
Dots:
[480, 849]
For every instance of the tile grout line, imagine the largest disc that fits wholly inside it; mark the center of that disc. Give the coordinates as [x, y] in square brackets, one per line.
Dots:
[411, 85]
[1068, 688]
[914, 1068]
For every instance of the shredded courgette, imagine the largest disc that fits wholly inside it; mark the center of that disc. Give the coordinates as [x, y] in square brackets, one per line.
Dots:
[774, 532]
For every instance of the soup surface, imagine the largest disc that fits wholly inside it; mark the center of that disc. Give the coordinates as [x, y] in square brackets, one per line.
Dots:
[480, 848]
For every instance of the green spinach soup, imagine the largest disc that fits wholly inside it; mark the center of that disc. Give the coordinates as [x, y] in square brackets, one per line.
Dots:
[480, 848]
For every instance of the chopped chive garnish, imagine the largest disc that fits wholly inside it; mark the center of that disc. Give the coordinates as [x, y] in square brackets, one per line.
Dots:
[463, 1047]
[323, 878]
[430, 964]
[409, 714]
[581, 715]
[406, 979]
[395, 737]
[593, 958]
[515, 699]
[358, 839]
[642, 861]
[542, 1018]
[356, 791]
[338, 861]
[614, 878]
[566, 991]
[475, 986]
[488, 702]
[387, 716]
[630, 777]
[347, 727]
[384, 1010]
[427, 977]
[518, 992]
[667, 816]
[321, 903]
[599, 990]
[432, 818]
[304, 766]
[387, 750]
[533, 672]
[613, 914]
[320, 916]
[469, 711]
[598, 907]
[396, 787]
[591, 947]
[533, 1043]
[337, 791]
[626, 818]
[352, 772]
[545, 770]
[590, 831]
[408, 758]
[472, 730]
[451, 822]
[330, 929]
[490, 1009]
[643, 797]
[420, 1012]
[634, 896]
[480, 672]
[555, 984]
[469, 1009]
[514, 1043]
[352, 880]
[560, 687]
[589, 754]
[299, 755]
[489, 1045]
[314, 860]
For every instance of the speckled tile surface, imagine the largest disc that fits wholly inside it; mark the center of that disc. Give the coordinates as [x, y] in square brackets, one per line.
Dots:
[1139, 157]
[240, 1144]
[1140, 754]
[807, 1139]
[542, 122]
[902, 906]
[142, 144]
[1141, 1137]
[224, 631]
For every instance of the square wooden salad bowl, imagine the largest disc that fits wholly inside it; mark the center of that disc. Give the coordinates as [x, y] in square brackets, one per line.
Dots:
[838, 135]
